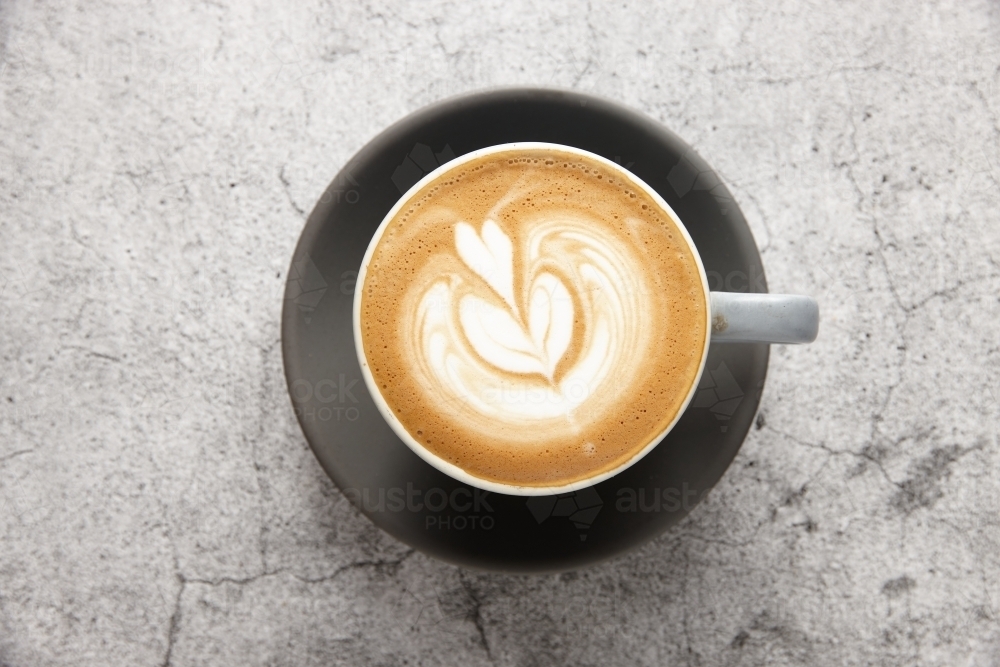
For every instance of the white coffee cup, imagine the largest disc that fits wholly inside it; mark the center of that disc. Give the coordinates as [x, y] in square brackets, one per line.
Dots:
[732, 317]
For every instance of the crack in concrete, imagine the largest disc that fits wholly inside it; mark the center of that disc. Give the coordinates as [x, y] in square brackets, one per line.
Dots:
[725, 543]
[20, 452]
[392, 565]
[763, 221]
[92, 353]
[826, 74]
[173, 630]
[477, 616]
[357, 565]
[286, 185]
[906, 311]
[591, 46]
[986, 107]
[864, 454]
[235, 581]
[692, 658]
[265, 350]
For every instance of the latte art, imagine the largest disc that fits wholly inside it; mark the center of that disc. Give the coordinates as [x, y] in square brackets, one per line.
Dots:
[539, 352]
[532, 317]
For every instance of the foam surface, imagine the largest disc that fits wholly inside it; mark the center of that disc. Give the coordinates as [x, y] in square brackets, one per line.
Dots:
[533, 319]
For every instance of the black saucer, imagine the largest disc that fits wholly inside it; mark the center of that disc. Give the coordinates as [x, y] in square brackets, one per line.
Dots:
[413, 501]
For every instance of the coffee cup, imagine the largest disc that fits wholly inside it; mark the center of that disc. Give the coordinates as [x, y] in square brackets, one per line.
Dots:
[532, 318]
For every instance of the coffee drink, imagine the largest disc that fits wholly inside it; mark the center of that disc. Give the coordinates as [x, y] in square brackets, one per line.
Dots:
[533, 317]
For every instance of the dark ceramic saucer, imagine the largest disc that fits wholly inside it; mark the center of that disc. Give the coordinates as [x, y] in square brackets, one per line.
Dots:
[413, 501]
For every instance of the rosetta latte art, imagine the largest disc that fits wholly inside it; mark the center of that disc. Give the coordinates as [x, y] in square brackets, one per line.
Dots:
[532, 317]
[549, 328]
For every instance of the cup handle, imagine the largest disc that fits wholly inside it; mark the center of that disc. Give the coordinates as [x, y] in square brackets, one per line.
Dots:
[763, 318]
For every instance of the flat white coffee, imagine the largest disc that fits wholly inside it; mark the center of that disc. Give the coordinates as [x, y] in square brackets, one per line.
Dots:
[533, 318]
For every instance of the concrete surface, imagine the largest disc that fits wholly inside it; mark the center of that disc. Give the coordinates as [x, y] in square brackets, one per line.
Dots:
[158, 504]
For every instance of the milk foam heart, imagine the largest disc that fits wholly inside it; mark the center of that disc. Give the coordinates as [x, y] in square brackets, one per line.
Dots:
[533, 317]
[474, 340]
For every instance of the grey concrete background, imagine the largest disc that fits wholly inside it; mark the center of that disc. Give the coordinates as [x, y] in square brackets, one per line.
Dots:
[158, 504]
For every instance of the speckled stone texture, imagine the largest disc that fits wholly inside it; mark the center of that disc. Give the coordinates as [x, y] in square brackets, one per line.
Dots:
[158, 503]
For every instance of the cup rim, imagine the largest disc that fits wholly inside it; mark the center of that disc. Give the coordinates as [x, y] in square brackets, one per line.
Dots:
[449, 468]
